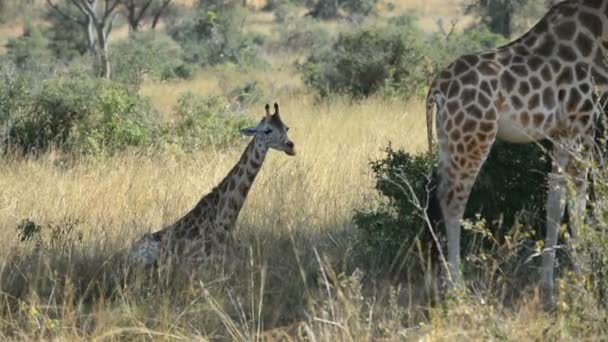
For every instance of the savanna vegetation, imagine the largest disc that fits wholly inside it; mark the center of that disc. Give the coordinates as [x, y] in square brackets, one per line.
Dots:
[117, 115]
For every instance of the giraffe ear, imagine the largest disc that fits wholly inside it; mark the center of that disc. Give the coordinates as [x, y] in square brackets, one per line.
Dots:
[267, 107]
[248, 131]
[276, 108]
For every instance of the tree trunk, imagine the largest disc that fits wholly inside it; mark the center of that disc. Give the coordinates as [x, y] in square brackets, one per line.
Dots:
[106, 69]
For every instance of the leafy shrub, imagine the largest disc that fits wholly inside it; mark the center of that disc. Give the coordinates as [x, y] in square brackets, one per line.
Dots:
[508, 190]
[30, 50]
[213, 35]
[387, 60]
[329, 9]
[447, 47]
[205, 121]
[150, 53]
[303, 34]
[73, 113]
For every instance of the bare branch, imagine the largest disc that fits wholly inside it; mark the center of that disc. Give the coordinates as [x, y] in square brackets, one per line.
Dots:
[64, 14]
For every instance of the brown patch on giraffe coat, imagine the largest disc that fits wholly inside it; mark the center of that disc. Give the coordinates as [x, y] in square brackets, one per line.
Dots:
[519, 70]
[444, 86]
[459, 118]
[524, 88]
[556, 66]
[530, 40]
[460, 148]
[474, 111]
[592, 22]
[507, 81]
[240, 171]
[503, 57]
[485, 126]
[483, 100]
[488, 68]
[449, 125]
[587, 106]
[538, 119]
[516, 102]
[547, 46]
[565, 30]
[494, 83]
[534, 63]
[452, 107]
[500, 103]
[535, 82]
[549, 122]
[597, 4]
[454, 89]
[584, 44]
[485, 87]
[584, 119]
[460, 67]
[257, 155]
[525, 119]
[468, 96]
[243, 189]
[565, 77]
[231, 185]
[520, 50]
[471, 60]
[573, 100]
[585, 88]
[549, 98]
[250, 176]
[581, 71]
[534, 101]
[254, 164]
[566, 53]
[469, 126]
[545, 73]
[455, 135]
[470, 78]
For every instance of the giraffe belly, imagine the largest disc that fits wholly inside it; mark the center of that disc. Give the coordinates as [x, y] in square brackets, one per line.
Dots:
[512, 130]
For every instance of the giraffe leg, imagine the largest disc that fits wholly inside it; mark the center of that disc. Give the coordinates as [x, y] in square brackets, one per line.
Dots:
[555, 210]
[457, 173]
[577, 170]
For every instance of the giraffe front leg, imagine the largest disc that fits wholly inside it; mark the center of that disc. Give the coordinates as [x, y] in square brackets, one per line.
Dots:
[577, 204]
[555, 210]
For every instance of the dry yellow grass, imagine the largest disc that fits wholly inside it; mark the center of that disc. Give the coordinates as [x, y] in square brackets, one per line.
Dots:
[326, 181]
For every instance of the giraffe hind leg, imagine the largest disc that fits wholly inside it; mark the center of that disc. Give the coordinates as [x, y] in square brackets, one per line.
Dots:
[459, 163]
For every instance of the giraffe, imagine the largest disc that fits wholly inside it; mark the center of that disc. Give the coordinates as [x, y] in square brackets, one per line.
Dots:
[209, 226]
[538, 86]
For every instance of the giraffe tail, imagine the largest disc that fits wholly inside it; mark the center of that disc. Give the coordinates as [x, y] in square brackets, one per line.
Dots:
[430, 102]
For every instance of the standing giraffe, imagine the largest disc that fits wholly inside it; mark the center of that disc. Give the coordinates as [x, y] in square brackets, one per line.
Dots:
[538, 86]
[207, 228]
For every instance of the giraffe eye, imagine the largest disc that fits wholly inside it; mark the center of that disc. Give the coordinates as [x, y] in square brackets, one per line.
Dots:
[268, 131]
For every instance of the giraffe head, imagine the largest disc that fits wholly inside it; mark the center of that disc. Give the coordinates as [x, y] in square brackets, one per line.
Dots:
[272, 132]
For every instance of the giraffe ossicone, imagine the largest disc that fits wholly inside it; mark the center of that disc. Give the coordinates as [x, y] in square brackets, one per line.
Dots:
[207, 229]
[540, 86]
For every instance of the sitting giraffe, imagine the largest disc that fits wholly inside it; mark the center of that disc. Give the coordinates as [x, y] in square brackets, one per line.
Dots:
[207, 228]
[538, 86]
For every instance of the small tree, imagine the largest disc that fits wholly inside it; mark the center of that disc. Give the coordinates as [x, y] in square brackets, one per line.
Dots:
[97, 19]
[138, 10]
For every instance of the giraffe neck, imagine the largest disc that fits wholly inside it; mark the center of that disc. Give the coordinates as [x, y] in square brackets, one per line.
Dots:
[233, 189]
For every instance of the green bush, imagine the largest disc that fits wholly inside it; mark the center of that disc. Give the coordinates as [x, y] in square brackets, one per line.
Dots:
[30, 51]
[205, 122]
[149, 53]
[302, 34]
[388, 60]
[72, 113]
[448, 47]
[330, 9]
[213, 35]
[508, 191]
